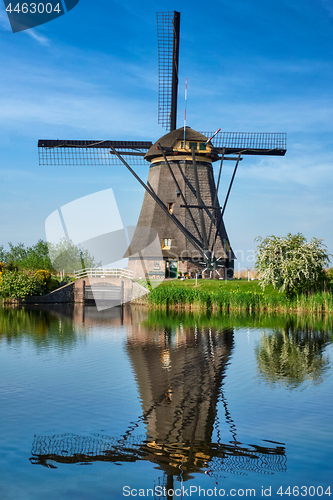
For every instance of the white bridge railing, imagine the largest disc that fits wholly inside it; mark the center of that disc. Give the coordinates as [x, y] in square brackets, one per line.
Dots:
[100, 272]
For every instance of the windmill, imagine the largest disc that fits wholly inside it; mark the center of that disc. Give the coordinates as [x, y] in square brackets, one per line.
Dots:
[181, 197]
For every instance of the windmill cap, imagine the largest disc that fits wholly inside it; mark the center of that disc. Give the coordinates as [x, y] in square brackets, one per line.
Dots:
[169, 141]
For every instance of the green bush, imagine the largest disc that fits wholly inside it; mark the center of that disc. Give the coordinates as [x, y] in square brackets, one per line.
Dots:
[16, 284]
[11, 266]
[65, 280]
[43, 275]
[53, 284]
[49, 283]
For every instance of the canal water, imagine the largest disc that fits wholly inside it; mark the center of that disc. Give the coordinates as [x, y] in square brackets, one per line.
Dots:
[131, 403]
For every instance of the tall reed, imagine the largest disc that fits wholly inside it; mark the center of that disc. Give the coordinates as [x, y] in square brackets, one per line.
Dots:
[239, 300]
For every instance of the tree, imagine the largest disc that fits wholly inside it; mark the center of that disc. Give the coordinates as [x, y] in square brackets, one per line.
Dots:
[16, 253]
[66, 256]
[38, 257]
[3, 254]
[34, 257]
[291, 264]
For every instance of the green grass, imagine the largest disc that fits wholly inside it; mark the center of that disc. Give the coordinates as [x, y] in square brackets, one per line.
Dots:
[237, 295]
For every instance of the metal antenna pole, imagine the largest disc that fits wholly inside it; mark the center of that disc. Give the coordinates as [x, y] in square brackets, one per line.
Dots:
[185, 111]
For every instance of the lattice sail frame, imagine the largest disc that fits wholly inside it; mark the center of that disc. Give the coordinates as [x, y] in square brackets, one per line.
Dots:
[168, 55]
[66, 152]
[250, 143]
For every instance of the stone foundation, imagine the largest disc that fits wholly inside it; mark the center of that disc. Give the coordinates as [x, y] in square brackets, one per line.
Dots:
[62, 295]
[73, 292]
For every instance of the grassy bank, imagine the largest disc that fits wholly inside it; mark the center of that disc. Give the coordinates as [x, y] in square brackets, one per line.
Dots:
[235, 296]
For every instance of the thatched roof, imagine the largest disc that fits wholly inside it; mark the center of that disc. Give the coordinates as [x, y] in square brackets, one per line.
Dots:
[168, 141]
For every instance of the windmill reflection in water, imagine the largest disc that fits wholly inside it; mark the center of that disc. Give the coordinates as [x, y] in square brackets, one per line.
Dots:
[180, 374]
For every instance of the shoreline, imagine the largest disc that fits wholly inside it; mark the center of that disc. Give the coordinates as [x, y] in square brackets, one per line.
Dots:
[213, 308]
[209, 295]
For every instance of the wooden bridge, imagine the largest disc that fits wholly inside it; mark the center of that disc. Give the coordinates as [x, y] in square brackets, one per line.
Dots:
[112, 288]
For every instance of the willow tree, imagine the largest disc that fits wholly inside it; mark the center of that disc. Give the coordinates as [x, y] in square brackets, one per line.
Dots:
[291, 263]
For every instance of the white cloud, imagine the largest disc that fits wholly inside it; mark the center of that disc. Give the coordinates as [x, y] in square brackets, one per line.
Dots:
[4, 23]
[301, 170]
[105, 99]
[38, 37]
[277, 115]
[94, 116]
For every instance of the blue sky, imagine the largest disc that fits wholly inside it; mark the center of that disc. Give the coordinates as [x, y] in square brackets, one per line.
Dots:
[251, 65]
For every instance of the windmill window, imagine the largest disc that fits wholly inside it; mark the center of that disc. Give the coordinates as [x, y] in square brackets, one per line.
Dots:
[202, 146]
[193, 145]
[166, 244]
[170, 207]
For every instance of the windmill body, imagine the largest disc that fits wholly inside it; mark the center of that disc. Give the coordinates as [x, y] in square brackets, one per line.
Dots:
[174, 181]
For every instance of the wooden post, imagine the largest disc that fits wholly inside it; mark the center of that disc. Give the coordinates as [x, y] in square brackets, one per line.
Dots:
[122, 292]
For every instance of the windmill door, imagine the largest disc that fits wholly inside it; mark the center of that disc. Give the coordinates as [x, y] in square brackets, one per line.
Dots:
[171, 268]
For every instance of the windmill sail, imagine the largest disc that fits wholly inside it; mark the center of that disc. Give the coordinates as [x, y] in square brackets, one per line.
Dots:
[168, 55]
[250, 143]
[67, 152]
[94, 152]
